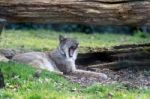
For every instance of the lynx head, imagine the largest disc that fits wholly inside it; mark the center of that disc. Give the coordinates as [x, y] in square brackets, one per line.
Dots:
[68, 46]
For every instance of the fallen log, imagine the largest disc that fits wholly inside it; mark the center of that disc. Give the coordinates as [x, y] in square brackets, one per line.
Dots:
[131, 46]
[103, 12]
[123, 64]
[132, 56]
[136, 55]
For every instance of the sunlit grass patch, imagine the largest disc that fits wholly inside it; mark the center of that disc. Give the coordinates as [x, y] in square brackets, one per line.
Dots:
[20, 82]
[46, 39]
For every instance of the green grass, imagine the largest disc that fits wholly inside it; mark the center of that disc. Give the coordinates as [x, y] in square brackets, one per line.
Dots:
[21, 84]
[46, 40]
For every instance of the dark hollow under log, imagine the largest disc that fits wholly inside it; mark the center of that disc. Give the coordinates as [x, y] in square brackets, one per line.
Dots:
[123, 64]
[134, 55]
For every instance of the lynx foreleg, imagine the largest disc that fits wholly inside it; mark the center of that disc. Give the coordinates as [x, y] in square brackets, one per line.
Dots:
[89, 74]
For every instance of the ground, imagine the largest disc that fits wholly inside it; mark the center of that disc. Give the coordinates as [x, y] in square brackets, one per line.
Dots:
[21, 81]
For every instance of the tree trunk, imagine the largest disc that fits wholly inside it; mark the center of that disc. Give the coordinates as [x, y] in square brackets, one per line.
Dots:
[102, 12]
[2, 84]
[2, 24]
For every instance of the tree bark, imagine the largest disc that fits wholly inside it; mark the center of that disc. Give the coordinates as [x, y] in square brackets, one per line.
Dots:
[2, 24]
[2, 84]
[102, 12]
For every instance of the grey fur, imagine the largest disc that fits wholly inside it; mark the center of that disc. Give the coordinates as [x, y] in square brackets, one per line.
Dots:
[60, 60]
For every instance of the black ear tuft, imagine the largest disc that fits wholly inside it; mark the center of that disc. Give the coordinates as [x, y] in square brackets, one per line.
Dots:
[61, 38]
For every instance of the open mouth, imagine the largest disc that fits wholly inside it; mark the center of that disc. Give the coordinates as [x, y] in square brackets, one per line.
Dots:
[71, 51]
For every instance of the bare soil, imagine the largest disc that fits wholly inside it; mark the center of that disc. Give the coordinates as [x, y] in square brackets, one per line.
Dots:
[125, 64]
[130, 77]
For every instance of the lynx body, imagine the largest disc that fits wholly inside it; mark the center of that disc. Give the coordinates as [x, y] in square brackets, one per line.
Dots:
[60, 60]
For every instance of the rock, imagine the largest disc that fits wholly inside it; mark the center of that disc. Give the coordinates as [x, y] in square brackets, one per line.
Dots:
[9, 53]
[3, 58]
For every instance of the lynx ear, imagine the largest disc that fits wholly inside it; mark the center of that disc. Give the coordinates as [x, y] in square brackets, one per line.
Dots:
[61, 38]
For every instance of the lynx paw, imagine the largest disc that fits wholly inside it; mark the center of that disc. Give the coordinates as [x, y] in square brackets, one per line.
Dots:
[103, 76]
[60, 73]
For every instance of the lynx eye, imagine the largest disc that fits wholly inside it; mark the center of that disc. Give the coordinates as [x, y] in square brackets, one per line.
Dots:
[74, 47]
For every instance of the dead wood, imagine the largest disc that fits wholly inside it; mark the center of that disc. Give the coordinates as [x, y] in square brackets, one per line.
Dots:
[136, 55]
[103, 12]
[123, 64]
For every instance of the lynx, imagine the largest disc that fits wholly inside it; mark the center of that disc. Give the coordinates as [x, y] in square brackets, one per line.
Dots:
[61, 60]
